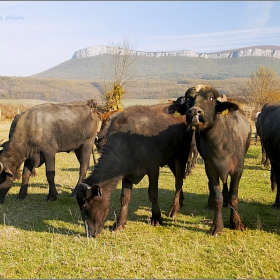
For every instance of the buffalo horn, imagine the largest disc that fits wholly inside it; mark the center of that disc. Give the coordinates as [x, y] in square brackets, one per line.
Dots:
[1, 167]
[222, 98]
[88, 190]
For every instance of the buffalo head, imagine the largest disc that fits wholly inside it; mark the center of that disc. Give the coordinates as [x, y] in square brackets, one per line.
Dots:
[94, 208]
[7, 176]
[203, 103]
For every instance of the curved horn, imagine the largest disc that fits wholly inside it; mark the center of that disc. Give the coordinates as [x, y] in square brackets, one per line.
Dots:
[88, 189]
[1, 167]
[222, 98]
[199, 87]
[85, 185]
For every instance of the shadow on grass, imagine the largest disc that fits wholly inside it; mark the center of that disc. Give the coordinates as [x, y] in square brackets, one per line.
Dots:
[35, 214]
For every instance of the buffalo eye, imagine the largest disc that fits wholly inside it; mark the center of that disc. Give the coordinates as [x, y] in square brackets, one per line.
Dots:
[211, 98]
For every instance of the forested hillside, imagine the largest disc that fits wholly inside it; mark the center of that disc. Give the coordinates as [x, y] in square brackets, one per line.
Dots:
[162, 68]
[54, 90]
[154, 78]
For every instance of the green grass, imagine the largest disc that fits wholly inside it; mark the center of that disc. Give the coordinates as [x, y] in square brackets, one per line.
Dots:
[47, 239]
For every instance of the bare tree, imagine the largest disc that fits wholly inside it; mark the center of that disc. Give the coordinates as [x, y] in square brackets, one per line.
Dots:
[262, 87]
[121, 71]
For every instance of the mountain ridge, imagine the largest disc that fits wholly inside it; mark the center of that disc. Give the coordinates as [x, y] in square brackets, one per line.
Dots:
[265, 50]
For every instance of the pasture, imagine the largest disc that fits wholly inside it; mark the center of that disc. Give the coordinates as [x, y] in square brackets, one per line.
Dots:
[47, 239]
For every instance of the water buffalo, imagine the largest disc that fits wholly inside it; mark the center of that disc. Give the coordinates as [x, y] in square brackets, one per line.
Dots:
[142, 139]
[110, 116]
[265, 159]
[40, 133]
[270, 138]
[256, 132]
[223, 137]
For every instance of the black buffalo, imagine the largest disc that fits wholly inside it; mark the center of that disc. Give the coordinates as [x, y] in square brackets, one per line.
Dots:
[223, 137]
[40, 133]
[265, 159]
[142, 139]
[193, 154]
[270, 139]
[256, 132]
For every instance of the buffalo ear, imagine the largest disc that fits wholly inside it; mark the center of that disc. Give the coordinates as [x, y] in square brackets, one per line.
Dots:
[223, 106]
[95, 190]
[8, 171]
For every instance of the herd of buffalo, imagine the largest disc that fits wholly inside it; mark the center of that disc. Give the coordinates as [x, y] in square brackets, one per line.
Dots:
[136, 142]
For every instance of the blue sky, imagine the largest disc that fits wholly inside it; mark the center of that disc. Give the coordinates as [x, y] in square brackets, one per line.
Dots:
[36, 36]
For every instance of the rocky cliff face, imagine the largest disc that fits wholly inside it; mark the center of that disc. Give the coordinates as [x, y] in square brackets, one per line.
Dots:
[268, 51]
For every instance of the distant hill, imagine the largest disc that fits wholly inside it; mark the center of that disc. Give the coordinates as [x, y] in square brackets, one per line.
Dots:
[168, 68]
[156, 76]
[267, 51]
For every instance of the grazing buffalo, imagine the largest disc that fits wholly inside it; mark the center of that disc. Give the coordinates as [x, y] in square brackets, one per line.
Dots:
[40, 133]
[270, 138]
[141, 140]
[223, 137]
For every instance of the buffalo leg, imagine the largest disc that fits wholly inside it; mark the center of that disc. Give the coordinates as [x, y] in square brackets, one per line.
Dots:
[273, 181]
[179, 196]
[121, 220]
[215, 192]
[172, 167]
[29, 170]
[83, 156]
[189, 166]
[211, 197]
[194, 158]
[153, 196]
[275, 169]
[50, 174]
[26, 173]
[235, 219]
[225, 193]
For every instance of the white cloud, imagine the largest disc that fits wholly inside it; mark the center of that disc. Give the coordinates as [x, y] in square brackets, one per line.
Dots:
[257, 13]
[217, 41]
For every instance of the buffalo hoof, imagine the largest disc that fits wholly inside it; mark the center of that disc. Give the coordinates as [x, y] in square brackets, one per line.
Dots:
[241, 227]
[20, 197]
[215, 231]
[173, 211]
[51, 198]
[156, 222]
[117, 226]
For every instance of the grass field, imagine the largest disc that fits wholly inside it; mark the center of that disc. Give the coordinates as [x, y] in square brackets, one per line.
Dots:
[47, 239]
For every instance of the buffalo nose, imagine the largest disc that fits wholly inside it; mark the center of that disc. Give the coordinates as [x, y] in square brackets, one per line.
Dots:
[194, 111]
